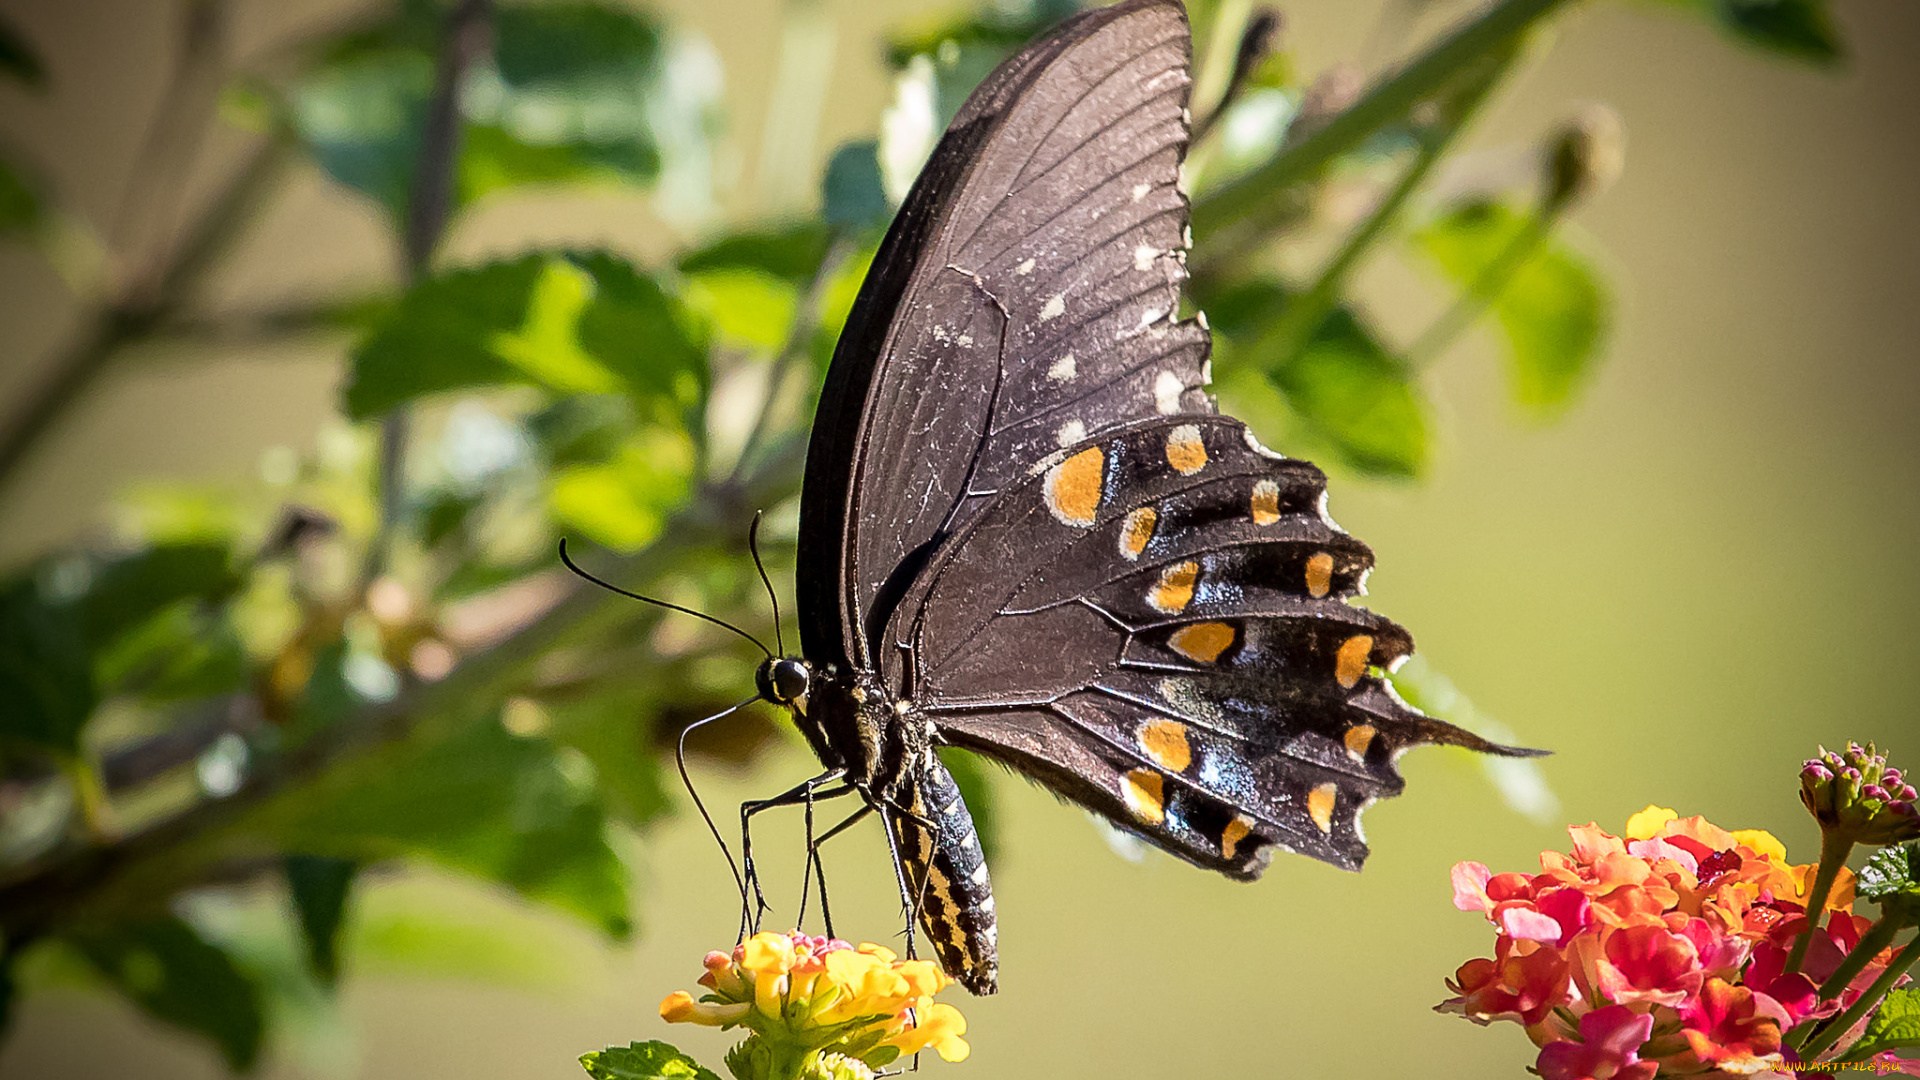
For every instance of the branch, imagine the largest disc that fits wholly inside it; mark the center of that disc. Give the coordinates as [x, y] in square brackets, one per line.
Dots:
[135, 314]
[467, 35]
[212, 842]
[1244, 204]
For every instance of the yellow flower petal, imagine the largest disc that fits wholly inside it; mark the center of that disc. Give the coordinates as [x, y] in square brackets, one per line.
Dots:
[878, 952]
[1762, 842]
[680, 1008]
[766, 954]
[939, 1026]
[676, 1007]
[1646, 824]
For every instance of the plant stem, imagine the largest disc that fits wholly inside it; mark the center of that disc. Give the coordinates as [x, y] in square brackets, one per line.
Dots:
[1244, 202]
[90, 795]
[806, 320]
[1307, 311]
[1843, 1023]
[1834, 850]
[466, 36]
[1493, 278]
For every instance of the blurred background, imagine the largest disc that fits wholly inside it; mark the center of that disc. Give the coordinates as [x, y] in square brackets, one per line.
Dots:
[1680, 558]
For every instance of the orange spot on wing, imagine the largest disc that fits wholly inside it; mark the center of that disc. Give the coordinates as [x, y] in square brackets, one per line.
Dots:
[1351, 663]
[1359, 739]
[1266, 502]
[1320, 806]
[1141, 788]
[1174, 591]
[1137, 530]
[1231, 836]
[1165, 741]
[1202, 641]
[1073, 487]
[1185, 451]
[1319, 574]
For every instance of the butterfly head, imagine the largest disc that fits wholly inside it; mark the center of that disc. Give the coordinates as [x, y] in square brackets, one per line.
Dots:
[784, 680]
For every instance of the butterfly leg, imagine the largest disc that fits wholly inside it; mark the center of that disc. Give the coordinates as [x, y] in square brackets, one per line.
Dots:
[819, 869]
[887, 815]
[754, 903]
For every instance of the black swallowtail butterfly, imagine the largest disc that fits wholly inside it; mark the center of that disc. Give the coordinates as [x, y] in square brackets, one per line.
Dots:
[1025, 531]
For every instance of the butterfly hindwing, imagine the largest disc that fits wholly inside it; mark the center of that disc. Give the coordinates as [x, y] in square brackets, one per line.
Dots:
[1167, 607]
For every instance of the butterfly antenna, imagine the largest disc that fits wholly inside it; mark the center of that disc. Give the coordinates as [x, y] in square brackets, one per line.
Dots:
[610, 587]
[753, 546]
[680, 761]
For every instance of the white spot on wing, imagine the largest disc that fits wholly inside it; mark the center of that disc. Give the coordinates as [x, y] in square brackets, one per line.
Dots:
[965, 340]
[1063, 369]
[1253, 444]
[1070, 432]
[1167, 388]
[1143, 257]
[1056, 307]
[1024, 268]
[1140, 191]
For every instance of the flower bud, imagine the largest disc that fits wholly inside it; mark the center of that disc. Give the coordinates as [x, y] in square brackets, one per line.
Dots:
[1585, 156]
[1859, 797]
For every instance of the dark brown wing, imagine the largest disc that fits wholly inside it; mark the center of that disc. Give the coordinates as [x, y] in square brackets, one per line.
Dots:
[1156, 623]
[1024, 297]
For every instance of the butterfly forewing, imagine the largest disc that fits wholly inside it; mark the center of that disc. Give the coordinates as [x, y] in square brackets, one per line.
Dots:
[1026, 293]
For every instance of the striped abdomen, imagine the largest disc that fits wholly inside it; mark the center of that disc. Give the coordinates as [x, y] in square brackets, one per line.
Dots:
[947, 872]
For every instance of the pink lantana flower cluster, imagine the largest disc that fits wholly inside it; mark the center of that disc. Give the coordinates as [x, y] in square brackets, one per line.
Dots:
[1663, 952]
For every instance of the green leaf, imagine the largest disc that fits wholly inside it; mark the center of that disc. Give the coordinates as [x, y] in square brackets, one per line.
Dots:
[643, 1061]
[1550, 303]
[623, 504]
[127, 592]
[363, 116]
[46, 669]
[183, 652]
[852, 193]
[517, 811]
[583, 428]
[640, 333]
[494, 159]
[1895, 1024]
[1799, 29]
[21, 207]
[1359, 397]
[614, 730]
[563, 45]
[565, 101]
[319, 887]
[438, 337]
[1892, 871]
[975, 781]
[573, 323]
[747, 307]
[178, 977]
[19, 59]
[793, 253]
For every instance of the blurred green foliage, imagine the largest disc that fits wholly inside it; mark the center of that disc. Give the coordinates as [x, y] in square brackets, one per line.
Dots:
[372, 658]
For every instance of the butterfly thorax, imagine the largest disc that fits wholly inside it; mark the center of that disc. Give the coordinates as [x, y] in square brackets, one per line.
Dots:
[886, 749]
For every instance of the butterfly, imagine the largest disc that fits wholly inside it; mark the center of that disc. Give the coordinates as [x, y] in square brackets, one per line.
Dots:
[1026, 532]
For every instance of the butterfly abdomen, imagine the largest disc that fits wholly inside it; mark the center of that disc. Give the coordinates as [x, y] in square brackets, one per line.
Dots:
[947, 875]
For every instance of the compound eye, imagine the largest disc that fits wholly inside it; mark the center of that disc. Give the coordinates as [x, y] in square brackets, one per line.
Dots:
[790, 679]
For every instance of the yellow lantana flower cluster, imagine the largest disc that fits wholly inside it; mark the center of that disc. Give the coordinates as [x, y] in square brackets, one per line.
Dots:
[821, 1008]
